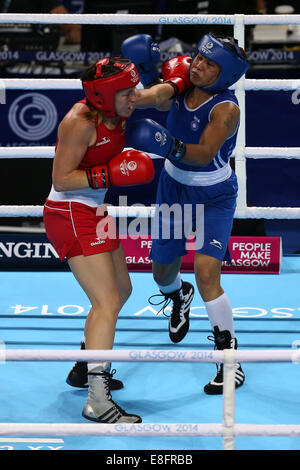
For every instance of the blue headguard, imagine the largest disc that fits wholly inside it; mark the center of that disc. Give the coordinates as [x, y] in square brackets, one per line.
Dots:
[228, 55]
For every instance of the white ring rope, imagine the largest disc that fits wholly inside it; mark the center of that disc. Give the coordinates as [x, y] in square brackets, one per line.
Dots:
[75, 84]
[146, 429]
[150, 355]
[163, 19]
[134, 211]
[250, 152]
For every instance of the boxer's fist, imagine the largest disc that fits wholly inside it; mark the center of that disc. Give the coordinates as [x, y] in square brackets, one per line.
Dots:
[129, 168]
[149, 136]
[145, 54]
[176, 72]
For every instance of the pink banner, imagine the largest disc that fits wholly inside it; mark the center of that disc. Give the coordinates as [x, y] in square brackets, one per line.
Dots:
[254, 255]
[249, 255]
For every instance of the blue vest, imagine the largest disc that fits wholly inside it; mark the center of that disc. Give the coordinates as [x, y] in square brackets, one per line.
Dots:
[188, 124]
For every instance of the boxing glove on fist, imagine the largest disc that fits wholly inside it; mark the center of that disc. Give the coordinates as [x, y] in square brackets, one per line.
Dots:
[149, 136]
[177, 72]
[145, 54]
[129, 168]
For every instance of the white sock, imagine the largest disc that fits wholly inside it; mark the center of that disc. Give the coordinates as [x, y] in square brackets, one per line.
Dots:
[175, 285]
[93, 365]
[220, 313]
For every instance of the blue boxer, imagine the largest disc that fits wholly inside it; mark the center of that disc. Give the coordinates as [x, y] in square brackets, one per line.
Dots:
[214, 186]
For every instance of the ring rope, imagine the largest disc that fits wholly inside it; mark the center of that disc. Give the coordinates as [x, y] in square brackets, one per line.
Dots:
[135, 211]
[146, 429]
[250, 152]
[149, 355]
[160, 19]
[75, 84]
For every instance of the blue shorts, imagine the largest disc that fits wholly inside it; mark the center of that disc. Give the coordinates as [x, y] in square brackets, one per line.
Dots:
[208, 211]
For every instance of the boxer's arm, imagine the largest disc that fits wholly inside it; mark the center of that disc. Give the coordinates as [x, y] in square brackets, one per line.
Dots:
[158, 97]
[176, 80]
[223, 123]
[149, 136]
[74, 137]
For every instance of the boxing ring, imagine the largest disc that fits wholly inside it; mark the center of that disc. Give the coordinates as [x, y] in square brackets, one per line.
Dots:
[222, 421]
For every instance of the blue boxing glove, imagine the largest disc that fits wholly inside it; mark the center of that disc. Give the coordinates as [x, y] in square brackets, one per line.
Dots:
[149, 136]
[145, 54]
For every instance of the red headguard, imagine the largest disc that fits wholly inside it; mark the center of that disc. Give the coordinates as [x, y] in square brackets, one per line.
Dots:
[101, 91]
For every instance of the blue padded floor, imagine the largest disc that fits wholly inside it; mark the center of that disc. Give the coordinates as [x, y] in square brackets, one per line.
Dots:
[47, 310]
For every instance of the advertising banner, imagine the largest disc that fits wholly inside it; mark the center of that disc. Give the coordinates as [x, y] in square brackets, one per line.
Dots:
[248, 255]
[35, 252]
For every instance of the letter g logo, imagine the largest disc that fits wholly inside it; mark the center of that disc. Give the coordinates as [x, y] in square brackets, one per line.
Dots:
[32, 116]
[296, 97]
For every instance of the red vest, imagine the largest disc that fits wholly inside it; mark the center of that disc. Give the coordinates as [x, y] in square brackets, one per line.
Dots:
[109, 143]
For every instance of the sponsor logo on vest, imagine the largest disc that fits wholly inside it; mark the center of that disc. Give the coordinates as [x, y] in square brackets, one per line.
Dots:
[104, 140]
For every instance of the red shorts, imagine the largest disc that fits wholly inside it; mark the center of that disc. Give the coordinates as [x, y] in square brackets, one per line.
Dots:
[73, 229]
